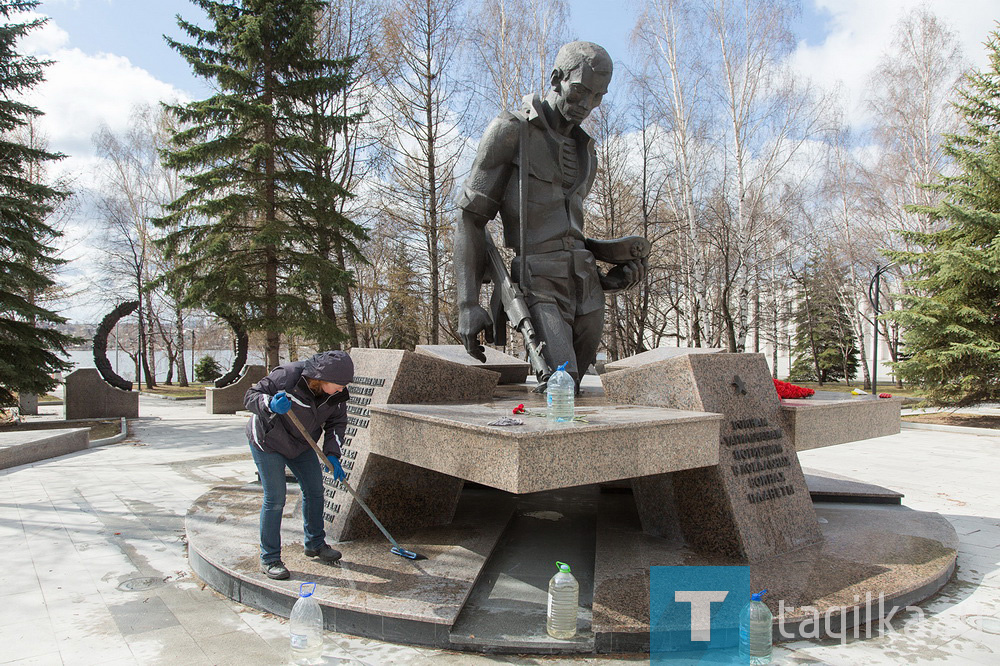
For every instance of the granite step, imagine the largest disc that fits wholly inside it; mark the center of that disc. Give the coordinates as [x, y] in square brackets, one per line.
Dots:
[506, 610]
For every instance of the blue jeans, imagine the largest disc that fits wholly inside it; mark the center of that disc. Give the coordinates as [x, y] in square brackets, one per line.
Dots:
[309, 474]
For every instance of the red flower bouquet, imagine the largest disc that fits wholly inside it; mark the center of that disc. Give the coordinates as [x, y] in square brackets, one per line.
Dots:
[786, 390]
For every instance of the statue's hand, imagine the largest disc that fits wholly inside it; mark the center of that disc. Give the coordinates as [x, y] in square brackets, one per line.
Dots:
[472, 321]
[624, 276]
[619, 250]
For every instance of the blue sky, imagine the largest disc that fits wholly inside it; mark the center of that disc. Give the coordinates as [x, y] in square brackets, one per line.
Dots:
[135, 29]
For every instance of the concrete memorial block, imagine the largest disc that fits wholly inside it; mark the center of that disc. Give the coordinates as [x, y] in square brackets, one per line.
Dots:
[88, 396]
[655, 356]
[754, 503]
[27, 404]
[400, 494]
[229, 399]
[512, 369]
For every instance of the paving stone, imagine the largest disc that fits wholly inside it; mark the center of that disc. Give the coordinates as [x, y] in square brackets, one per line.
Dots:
[142, 615]
[186, 453]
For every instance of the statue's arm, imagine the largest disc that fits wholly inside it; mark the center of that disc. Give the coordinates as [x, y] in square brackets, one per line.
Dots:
[480, 202]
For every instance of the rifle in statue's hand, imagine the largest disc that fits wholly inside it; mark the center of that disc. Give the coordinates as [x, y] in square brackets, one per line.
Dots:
[516, 310]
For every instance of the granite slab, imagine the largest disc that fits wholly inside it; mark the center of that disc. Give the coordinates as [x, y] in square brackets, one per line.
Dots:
[829, 487]
[512, 369]
[370, 592]
[401, 495]
[507, 609]
[828, 419]
[609, 442]
[754, 503]
[655, 356]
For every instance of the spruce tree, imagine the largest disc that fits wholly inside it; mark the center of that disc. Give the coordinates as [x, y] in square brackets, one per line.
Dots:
[952, 320]
[30, 347]
[824, 344]
[247, 226]
[402, 309]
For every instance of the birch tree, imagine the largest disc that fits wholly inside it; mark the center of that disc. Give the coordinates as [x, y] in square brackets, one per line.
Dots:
[419, 43]
[513, 45]
[910, 94]
[668, 32]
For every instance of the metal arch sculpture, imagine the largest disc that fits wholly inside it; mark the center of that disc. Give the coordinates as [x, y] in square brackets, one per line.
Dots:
[242, 345]
[101, 361]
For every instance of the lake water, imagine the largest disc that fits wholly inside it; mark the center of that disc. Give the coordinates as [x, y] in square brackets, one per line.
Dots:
[123, 366]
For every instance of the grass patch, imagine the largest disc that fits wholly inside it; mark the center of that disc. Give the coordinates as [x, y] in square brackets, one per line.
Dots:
[174, 391]
[42, 399]
[99, 428]
[841, 387]
[956, 419]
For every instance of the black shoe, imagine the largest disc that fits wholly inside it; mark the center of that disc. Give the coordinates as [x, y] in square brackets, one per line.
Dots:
[324, 553]
[275, 570]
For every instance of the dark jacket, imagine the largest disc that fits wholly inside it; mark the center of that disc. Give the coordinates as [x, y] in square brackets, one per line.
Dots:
[275, 432]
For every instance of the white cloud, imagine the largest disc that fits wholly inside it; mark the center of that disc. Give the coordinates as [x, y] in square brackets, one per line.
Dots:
[861, 31]
[81, 92]
[84, 91]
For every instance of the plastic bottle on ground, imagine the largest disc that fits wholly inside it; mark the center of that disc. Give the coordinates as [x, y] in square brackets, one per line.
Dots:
[561, 395]
[564, 599]
[755, 631]
[305, 626]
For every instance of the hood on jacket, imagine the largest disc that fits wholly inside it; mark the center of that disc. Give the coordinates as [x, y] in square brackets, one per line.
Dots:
[330, 366]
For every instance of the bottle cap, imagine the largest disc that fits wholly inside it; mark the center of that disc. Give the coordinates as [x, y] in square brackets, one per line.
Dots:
[562, 367]
[563, 567]
[302, 590]
[757, 595]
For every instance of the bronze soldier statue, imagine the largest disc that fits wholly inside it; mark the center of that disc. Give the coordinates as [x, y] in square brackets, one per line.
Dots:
[541, 208]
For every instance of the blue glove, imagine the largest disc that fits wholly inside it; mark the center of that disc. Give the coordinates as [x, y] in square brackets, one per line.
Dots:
[338, 472]
[280, 403]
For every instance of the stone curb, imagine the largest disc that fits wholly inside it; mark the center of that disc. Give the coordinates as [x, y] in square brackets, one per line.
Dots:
[114, 439]
[964, 430]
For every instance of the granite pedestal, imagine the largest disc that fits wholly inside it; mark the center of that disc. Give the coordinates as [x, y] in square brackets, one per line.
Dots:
[88, 396]
[229, 399]
[403, 495]
[538, 497]
[27, 404]
[512, 369]
[754, 502]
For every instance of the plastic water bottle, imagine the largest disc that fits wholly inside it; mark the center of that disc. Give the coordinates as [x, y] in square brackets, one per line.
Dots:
[306, 627]
[561, 395]
[564, 598]
[755, 631]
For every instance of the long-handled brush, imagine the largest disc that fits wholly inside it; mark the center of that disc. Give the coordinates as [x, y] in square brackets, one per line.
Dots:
[396, 548]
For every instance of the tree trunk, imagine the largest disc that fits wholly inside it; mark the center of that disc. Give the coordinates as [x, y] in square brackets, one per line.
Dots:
[182, 377]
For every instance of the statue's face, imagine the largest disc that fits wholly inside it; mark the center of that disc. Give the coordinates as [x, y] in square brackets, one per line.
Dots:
[579, 93]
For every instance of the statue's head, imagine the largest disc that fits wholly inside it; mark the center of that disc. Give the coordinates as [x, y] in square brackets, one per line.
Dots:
[580, 79]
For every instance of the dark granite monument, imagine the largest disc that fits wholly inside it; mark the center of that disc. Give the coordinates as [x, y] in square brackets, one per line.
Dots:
[534, 167]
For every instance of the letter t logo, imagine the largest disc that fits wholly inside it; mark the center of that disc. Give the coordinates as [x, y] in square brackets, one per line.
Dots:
[701, 610]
